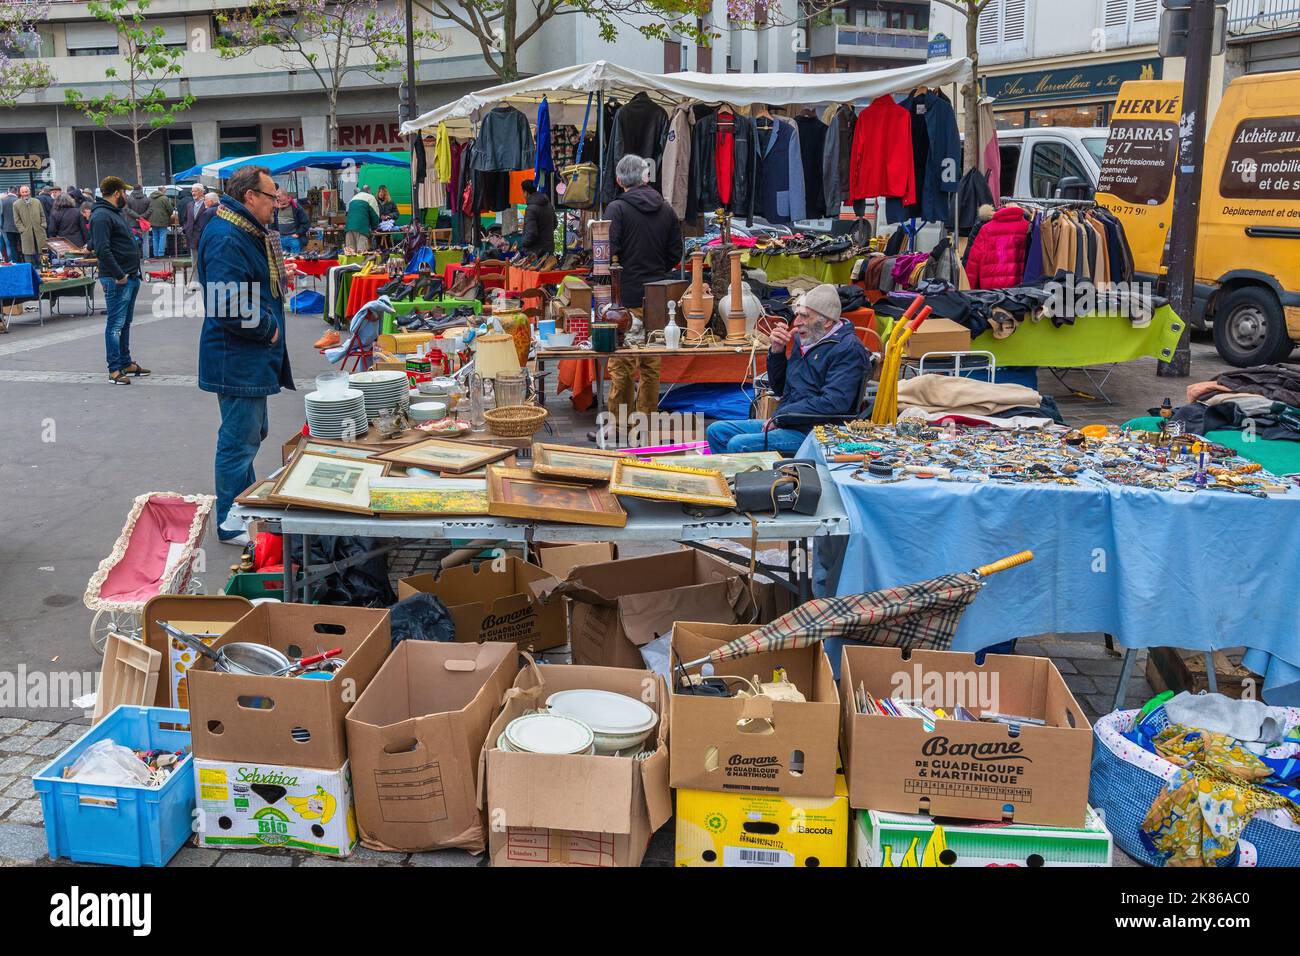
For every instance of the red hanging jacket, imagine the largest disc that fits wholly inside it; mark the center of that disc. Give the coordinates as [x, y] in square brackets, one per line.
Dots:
[881, 162]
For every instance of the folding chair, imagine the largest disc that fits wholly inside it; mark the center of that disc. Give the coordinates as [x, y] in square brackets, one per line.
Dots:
[361, 353]
[491, 273]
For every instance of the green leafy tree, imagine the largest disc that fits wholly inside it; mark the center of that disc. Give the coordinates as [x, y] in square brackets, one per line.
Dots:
[330, 39]
[138, 96]
[21, 74]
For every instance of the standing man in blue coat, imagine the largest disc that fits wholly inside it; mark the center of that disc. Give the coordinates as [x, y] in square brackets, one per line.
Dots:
[242, 354]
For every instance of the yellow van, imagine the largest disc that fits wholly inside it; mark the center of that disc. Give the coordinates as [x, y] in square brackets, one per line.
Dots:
[1248, 246]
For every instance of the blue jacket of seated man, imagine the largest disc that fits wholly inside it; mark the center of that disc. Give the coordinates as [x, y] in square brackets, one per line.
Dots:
[240, 312]
[825, 380]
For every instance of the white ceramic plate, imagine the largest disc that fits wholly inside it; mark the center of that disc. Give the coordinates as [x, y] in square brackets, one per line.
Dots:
[350, 395]
[549, 734]
[376, 378]
[604, 711]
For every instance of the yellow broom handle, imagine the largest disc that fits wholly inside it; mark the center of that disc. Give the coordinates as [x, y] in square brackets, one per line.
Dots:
[1011, 561]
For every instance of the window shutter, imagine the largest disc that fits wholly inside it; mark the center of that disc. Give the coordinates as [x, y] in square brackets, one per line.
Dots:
[1013, 21]
[1116, 12]
[1144, 10]
[90, 36]
[989, 31]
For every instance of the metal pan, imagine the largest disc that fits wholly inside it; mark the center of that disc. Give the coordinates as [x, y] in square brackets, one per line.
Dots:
[254, 660]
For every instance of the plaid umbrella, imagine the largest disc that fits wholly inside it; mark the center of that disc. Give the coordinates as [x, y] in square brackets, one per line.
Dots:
[920, 616]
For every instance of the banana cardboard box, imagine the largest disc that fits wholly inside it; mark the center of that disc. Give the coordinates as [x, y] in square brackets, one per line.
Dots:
[250, 805]
[746, 829]
[906, 839]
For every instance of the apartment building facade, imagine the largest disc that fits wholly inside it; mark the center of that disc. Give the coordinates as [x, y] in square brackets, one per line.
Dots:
[266, 102]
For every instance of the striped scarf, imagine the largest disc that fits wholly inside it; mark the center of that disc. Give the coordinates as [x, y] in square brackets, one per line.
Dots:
[271, 242]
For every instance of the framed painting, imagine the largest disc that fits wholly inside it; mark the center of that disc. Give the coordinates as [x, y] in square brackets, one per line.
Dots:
[257, 493]
[425, 497]
[657, 482]
[437, 454]
[328, 482]
[570, 461]
[519, 493]
[343, 449]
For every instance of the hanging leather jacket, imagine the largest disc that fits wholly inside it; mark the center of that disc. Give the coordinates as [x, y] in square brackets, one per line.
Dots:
[704, 167]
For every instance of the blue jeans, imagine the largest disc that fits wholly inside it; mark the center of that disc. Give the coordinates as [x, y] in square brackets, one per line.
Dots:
[291, 245]
[747, 435]
[119, 303]
[13, 248]
[244, 425]
[159, 239]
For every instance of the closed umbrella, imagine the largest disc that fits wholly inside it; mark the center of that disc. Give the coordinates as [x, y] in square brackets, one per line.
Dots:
[921, 616]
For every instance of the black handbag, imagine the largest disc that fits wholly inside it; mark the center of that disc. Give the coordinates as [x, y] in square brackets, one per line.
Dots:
[792, 485]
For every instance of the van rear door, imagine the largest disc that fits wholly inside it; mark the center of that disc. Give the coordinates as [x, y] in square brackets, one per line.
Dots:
[1137, 170]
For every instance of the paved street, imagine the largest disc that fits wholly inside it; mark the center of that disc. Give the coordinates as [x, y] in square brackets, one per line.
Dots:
[78, 450]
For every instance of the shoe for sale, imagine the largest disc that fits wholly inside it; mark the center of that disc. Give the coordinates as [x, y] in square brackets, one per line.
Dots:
[404, 321]
[327, 341]
[119, 378]
[240, 540]
[135, 369]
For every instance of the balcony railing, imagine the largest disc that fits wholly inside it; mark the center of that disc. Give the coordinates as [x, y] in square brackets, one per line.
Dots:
[1262, 16]
[847, 40]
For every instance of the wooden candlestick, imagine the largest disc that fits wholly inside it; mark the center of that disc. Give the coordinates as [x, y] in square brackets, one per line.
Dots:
[736, 314]
[697, 304]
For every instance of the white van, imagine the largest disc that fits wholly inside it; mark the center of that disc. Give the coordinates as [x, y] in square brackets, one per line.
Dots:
[1039, 161]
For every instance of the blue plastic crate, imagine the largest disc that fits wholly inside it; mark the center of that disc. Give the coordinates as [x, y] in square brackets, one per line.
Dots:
[126, 826]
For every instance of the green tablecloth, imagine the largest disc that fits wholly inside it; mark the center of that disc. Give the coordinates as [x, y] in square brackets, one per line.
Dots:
[1092, 340]
[780, 267]
[1279, 457]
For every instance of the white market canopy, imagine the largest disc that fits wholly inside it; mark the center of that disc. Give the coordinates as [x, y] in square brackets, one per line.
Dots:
[569, 87]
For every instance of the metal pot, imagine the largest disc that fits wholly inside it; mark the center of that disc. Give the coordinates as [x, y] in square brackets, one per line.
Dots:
[253, 660]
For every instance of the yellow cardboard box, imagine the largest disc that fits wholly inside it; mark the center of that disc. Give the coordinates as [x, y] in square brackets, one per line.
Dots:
[750, 829]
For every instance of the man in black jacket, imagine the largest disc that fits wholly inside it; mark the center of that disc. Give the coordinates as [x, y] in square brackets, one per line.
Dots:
[119, 273]
[646, 238]
[539, 223]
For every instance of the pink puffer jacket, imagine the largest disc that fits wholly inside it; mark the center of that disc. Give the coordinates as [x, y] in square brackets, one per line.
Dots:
[997, 257]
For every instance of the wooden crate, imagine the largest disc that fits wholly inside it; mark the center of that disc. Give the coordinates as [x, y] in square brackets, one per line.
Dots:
[1177, 669]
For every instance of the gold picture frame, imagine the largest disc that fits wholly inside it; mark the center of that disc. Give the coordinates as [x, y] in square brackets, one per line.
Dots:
[439, 454]
[326, 446]
[392, 497]
[572, 461]
[328, 482]
[255, 495]
[518, 493]
[658, 482]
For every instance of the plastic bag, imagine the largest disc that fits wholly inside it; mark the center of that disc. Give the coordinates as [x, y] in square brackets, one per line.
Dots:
[105, 762]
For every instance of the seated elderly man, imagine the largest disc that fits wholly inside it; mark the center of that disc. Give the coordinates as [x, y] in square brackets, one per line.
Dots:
[822, 376]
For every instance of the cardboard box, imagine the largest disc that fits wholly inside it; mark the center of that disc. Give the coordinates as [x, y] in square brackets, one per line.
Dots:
[414, 739]
[1169, 668]
[546, 810]
[747, 829]
[938, 335]
[192, 613]
[559, 558]
[287, 721]
[785, 747]
[619, 606]
[657, 295]
[878, 835]
[967, 769]
[251, 805]
[487, 604]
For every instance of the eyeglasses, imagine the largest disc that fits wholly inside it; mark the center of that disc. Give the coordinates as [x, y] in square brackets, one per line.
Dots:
[263, 192]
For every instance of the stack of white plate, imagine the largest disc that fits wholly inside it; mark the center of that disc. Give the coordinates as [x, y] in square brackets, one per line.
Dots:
[384, 391]
[619, 722]
[341, 417]
[543, 733]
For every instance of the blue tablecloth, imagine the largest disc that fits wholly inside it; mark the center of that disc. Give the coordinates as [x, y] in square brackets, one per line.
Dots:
[1204, 571]
[19, 281]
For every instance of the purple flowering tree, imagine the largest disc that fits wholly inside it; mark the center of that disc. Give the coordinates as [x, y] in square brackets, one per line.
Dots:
[330, 39]
[20, 71]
